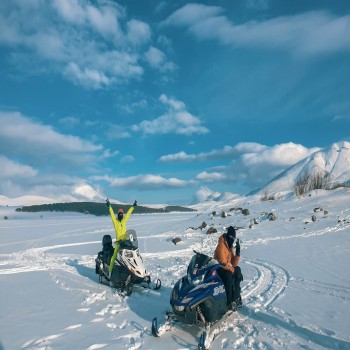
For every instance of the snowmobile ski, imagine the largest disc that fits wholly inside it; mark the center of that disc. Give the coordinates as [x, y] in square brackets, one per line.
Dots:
[170, 320]
[212, 331]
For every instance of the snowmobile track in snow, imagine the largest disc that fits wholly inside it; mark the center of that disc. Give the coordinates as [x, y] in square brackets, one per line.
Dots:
[267, 286]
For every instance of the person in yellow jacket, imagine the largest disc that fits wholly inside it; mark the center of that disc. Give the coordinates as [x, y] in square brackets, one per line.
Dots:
[120, 229]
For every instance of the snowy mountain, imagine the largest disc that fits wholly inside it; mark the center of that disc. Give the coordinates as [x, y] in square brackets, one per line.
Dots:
[25, 200]
[331, 164]
[81, 193]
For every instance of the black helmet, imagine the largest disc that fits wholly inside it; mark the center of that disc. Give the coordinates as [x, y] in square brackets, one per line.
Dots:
[230, 236]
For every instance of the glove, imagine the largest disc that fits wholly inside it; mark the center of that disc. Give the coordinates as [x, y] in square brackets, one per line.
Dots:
[231, 269]
[135, 204]
[107, 203]
[238, 248]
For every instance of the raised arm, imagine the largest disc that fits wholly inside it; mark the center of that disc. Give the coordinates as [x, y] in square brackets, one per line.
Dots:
[111, 212]
[128, 213]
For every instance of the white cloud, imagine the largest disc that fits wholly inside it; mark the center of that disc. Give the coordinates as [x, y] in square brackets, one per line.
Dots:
[35, 159]
[299, 34]
[227, 152]
[142, 104]
[176, 105]
[127, 159]
[116, 132]
[138, 33]
[192, 13]
[177, 120]
[154, 57]
[91, 44]
[210, 177]
[14, 170]
[24, 137]
[86, 77]
[157, 59]
[108, 154]
[103, 18]
[178, 157]
[145, 182]
[250, 163]
[282, 155]
[56, 185]
[70, 10]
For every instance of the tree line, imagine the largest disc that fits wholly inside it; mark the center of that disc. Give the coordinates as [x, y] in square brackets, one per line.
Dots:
[98, 209]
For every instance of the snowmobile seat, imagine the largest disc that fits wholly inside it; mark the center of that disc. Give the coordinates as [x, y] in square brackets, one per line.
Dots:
[106, 240]
[108, 249]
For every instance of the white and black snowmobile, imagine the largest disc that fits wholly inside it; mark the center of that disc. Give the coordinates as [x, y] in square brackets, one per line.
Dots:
[128, 269]
[198, 298]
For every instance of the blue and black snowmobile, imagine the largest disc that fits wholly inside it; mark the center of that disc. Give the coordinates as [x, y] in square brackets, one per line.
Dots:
[197, 299]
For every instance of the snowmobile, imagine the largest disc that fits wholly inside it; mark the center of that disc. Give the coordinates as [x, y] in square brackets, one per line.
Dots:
[198, 299]
[128, 269]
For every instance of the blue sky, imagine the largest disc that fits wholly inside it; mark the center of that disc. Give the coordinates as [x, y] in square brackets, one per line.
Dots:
[166, 101]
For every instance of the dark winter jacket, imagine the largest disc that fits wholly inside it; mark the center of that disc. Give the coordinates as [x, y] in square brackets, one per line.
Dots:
[225, 255]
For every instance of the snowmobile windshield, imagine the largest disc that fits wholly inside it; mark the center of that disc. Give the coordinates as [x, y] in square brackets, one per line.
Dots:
[198, 261]
[127, 245]
[131, 241]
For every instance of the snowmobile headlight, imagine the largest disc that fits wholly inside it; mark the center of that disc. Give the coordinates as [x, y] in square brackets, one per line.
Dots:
[128, 254]
[179, 308]
[197, 280]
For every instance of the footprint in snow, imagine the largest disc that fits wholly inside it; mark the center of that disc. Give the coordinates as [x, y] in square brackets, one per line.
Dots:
[86, 309]
[124, 324]
[74, 326]
[105, 310]
[224, 343]
[112, 325]
[45, 341]
[96, 346]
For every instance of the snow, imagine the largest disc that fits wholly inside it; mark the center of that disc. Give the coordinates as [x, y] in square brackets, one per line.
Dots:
[296, 288]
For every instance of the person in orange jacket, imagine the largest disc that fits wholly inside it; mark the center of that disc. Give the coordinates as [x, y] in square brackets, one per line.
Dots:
[120, 229]
[228, 252]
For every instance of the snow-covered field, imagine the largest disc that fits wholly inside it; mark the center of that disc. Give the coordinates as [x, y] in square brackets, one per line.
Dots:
[296, 287]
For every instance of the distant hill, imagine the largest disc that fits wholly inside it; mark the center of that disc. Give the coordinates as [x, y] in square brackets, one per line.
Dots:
[98, 209]
[25, 200]
[325, 169]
